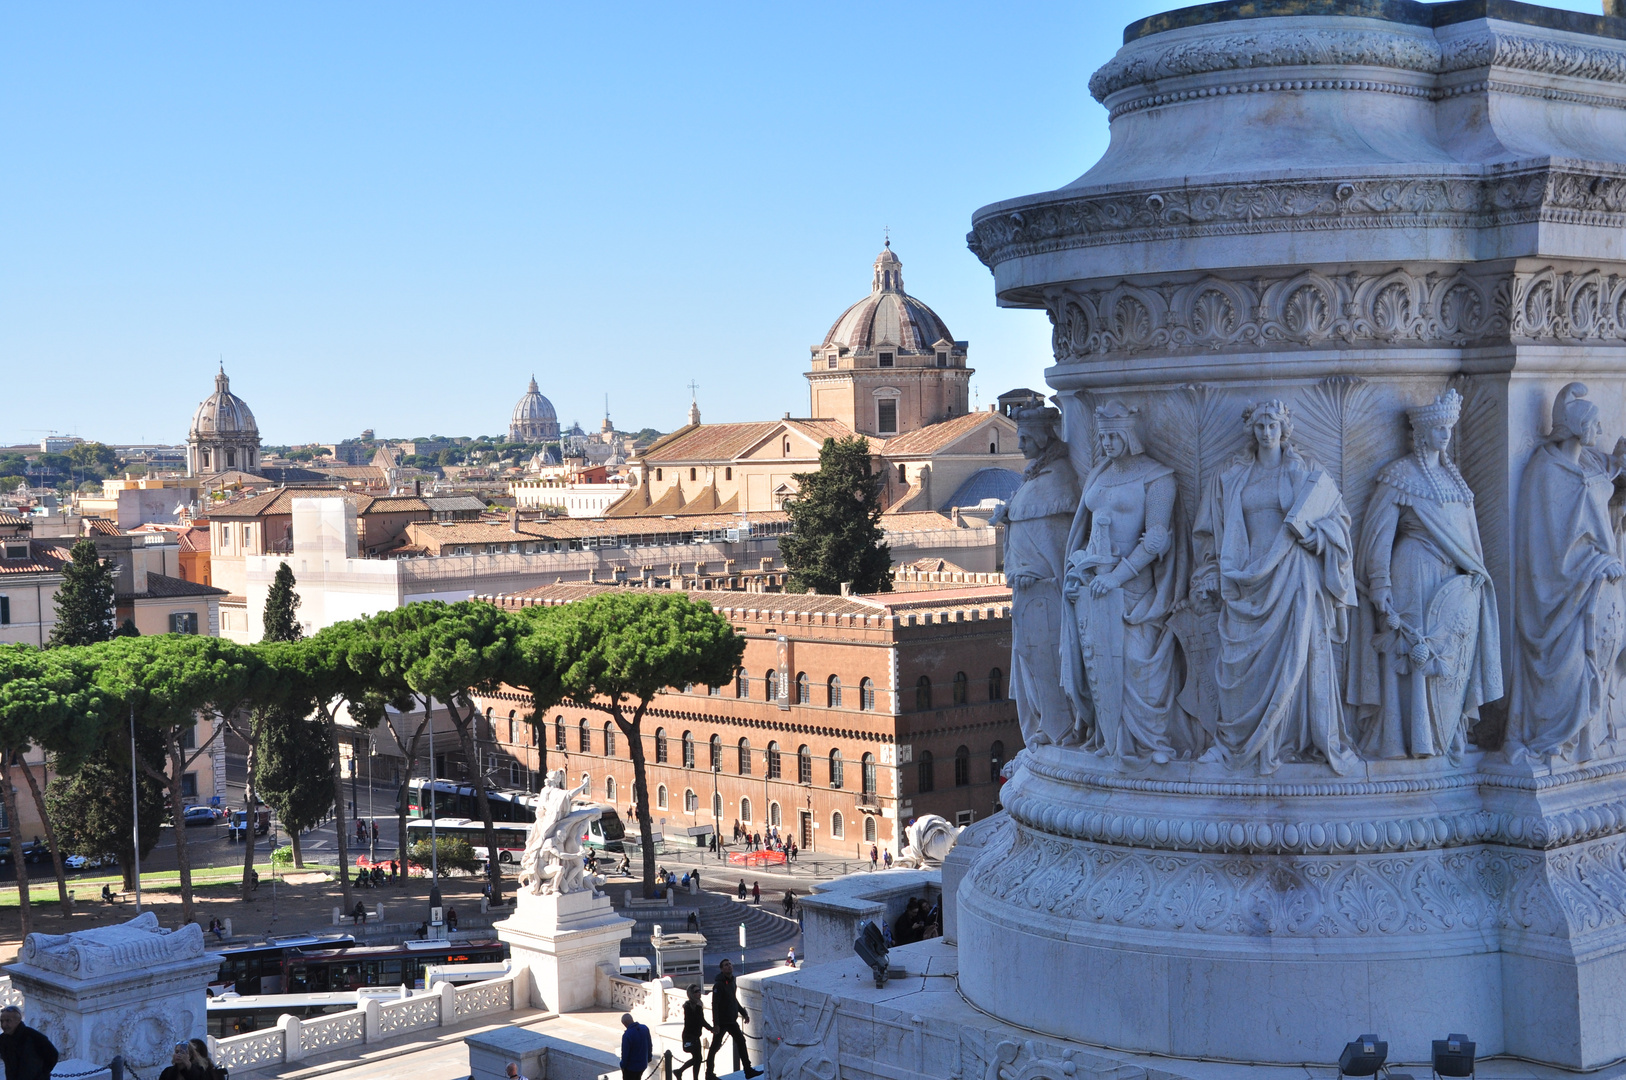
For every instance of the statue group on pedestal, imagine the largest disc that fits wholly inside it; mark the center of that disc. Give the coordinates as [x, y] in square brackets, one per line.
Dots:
[1267, 631]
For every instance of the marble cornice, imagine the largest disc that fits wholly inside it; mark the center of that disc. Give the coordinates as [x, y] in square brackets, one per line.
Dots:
[1570, 193]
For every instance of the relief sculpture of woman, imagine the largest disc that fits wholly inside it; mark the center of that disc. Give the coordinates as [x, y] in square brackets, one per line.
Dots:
[1568, 611]
[1273, 547]
[1427, 652]
[1126, 573]
[1036, 521]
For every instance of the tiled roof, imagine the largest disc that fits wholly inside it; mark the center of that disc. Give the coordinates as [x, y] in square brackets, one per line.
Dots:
[163, 587]
[12, 519]
[281, 501]
[916, 519]
[717, 598]
[42, 559]
[102, 527]
[708, 442]
[934, 437]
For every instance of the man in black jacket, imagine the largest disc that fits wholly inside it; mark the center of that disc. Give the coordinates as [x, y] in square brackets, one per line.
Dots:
[27, 1054]
[726, 1015]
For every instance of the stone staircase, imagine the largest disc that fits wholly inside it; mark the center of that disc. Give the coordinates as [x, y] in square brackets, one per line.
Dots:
[720, 917]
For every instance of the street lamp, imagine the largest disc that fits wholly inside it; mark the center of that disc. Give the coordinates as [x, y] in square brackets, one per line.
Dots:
[434, 837]
[716, 825]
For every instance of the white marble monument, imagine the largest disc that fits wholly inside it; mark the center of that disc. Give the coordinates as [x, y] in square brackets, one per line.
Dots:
[134, 989]
[1340, 620]
[564, 931]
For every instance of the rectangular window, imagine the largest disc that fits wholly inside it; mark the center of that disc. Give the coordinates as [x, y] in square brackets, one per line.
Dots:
[5, 611]
[885, 359]
[886, 413]
[183, 622]
[189, 738]
[832, 361]
[189, 785]
[942, 359]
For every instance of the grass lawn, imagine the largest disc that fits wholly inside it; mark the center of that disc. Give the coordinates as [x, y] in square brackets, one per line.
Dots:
[90, 887]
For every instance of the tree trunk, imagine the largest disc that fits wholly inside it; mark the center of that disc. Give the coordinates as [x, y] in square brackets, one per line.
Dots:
[24, 911]
[50, 838]
[466, 731]
[251, 815]
[640, 792]
[338, 817]
[410, 751]
[183, 859]
[299, 855]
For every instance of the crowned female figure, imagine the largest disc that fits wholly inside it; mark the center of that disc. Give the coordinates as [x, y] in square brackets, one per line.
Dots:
[1126, 574]
[1568, 612]
[1036, 521]
[1426, 653]
[1272, 545]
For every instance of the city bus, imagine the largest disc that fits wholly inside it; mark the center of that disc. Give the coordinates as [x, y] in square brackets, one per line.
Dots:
[510, 835]
[258, 969]
[331, 970]
[459, 800]
[238, 1015]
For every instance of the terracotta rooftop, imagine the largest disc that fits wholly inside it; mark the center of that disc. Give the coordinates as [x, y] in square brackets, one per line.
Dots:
[934, 437]
[945, 600]
[102, 527]
[280, 501]
[42, 559]
[163, 587]
[729, 442]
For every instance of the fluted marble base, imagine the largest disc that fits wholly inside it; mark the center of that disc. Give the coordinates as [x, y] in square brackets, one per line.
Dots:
[1198, 913]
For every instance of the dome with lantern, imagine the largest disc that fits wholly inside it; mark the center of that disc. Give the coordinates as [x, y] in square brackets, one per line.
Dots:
[533, 419]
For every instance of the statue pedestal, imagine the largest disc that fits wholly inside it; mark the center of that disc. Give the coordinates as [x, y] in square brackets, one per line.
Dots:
[562, 938]
[135, 989]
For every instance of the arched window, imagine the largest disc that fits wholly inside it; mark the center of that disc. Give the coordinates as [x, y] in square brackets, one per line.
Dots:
[804, 765]
[728, 473]
[773, 761]
[716, 805]
[688, 749]
[609, 789]
[926, 780]
[804, 689]
[832, 688]
[745, 757]
[714, 691]
[691, 801]
[961, 688]
[996, 761]
[962, 767]
[837, 830]
[609, 739]
[584, 737]
[660, 746]
[692, 475]
[923, 693]
[745, 809]
[742, 684]
[771, 681]
[773, 814]
[835, 768]
[996, 685]
[660, 797]
[866, 695]
[868, 763]
[511, 714]
[561, 740]
[869, 830]
[716, 751]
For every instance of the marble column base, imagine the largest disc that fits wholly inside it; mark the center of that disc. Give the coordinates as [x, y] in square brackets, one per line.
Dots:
[1191, 912]
[562, 939]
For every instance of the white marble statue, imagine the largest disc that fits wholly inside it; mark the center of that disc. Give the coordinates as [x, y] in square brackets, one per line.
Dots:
[1126, 574]
[1426, 652]
[1036, 522]
[927, 842]
[1273, 547]
[1569, 613]
[552, 859]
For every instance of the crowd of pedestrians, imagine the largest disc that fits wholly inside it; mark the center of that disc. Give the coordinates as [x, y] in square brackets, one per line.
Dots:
[773, 840]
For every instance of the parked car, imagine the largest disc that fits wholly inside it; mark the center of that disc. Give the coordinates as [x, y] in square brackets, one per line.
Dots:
[33, 851]
[200, 815]
[88, 862]
[262, 824]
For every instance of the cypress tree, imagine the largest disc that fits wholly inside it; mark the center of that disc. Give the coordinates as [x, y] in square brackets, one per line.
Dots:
[84, 601]
[835, 521]
[281, 602]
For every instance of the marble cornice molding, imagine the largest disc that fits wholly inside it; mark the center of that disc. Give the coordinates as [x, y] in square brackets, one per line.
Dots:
[1375, 817]
[1569, 194]
[1228, 55]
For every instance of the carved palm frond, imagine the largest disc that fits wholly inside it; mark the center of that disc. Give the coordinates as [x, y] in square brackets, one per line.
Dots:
[1338, 423]
[1479, 447]
[1201, 431]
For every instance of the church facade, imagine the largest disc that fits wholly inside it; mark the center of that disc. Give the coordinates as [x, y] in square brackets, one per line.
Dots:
[224, 437]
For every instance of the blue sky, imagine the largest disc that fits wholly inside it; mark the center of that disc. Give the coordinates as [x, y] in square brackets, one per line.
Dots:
[390, 216]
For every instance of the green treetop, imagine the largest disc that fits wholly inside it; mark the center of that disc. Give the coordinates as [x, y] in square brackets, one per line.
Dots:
[835, 520]
[84, 601]
[281, 604]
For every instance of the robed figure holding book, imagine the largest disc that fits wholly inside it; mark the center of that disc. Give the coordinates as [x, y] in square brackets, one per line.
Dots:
[1273, 547]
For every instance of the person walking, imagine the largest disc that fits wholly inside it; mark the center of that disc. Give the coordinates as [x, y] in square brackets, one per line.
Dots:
[790, 960]
[790, 902]
[889, 859]
[203, 1066]
[694, 1022]
[27, 1053]
[756, 893]
[726, 1015]
[874, 856]
[180, 1064]
[636, 1048]
[451, 919]
[742, 890]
